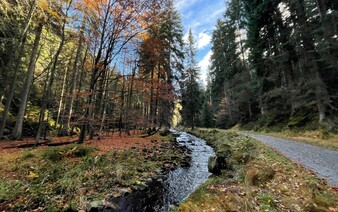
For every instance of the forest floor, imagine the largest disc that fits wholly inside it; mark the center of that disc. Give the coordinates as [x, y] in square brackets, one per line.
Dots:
[69, 176]
[258, 178]
[109, 142]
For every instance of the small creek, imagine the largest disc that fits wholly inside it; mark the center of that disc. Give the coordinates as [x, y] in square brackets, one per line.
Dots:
[161, 195]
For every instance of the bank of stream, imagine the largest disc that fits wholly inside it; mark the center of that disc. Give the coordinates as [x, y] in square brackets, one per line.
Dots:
[169, 190]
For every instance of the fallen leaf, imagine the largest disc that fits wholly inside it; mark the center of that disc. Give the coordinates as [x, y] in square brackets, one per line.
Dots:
[32, 175]
[332, 209]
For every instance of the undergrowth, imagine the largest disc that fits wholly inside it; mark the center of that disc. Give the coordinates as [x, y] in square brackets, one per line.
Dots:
[310, 133]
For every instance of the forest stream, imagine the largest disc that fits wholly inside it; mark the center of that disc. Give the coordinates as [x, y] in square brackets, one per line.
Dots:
[164, 193]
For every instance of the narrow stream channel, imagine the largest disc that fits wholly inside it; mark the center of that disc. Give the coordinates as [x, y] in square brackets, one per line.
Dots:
[177, 184]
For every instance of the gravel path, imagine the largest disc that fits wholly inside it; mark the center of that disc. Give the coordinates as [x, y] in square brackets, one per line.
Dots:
[322, 161]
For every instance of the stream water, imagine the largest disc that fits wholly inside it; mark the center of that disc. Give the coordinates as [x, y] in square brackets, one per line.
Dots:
[161, 195]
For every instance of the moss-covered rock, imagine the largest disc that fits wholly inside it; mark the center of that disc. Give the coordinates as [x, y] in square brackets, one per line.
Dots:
[216, 164]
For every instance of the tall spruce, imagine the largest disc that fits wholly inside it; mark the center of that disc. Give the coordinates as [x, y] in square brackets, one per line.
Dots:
[229, 69]
[280, 71]
[172, 36]
[190, 88]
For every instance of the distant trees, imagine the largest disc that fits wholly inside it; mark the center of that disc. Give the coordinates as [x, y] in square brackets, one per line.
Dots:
[207, 118]
[114, 25]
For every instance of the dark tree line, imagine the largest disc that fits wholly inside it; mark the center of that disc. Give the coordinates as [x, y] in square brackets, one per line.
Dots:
[275, 63]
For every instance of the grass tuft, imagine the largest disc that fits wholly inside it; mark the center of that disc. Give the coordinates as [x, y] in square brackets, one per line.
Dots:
[27, 155]
[72, 151]
[259, 175]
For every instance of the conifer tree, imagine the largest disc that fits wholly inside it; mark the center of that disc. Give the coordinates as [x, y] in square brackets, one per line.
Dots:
[190, 89]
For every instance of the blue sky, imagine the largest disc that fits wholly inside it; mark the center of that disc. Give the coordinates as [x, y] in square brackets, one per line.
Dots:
[201, 17]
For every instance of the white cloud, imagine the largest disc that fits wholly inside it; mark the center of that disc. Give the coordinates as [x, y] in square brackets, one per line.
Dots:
[201, 16]
[204, 65]
[184, 4]
[205, 18]
[205, 62]
[203, 40]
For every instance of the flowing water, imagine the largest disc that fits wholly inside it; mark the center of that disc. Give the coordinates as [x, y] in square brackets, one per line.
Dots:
[177, 184]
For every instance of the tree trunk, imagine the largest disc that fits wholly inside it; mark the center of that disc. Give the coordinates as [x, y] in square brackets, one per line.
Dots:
[289, 53]
[129, 100]
[93, 79]
[11, 88]
[151, 106]
[105, 103]
[79, 88]
[103, 119]
[62, 95]
[311, 60]
[122, 105]
[65, 123]
[17, 132]
[50, 82]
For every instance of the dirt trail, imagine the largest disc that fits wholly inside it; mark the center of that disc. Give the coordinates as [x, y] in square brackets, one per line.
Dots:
[323, 162]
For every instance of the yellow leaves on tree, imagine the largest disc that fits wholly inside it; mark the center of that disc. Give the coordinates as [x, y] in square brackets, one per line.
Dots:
[143, 36]
[45, 7]
[95, 8]
[91, 5]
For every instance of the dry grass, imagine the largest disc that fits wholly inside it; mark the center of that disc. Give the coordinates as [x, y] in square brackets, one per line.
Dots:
[316, 137]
